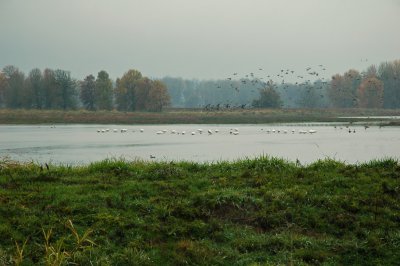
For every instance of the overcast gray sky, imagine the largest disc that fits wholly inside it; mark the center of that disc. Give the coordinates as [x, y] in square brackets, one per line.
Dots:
[197, 38]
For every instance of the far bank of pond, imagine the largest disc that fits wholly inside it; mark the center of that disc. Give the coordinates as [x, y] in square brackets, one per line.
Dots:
[199, 116]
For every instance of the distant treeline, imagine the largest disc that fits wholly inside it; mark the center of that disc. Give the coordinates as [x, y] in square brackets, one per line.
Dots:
[376, 87]
[56, 89]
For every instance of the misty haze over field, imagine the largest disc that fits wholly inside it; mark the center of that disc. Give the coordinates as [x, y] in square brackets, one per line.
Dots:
[197, 39]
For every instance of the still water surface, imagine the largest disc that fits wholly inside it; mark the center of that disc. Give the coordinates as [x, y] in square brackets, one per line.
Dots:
[81, 144]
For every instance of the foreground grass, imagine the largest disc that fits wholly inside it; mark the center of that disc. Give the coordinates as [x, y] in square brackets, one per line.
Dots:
[264, 211]
[191, 116]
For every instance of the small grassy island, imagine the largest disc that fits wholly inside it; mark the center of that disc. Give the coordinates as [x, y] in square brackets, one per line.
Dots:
[263, 211]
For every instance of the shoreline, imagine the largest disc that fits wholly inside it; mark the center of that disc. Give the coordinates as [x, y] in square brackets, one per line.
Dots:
[195, 116]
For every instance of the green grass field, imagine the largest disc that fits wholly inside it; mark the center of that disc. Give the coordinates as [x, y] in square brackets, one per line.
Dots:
[263, 211]
[189, 116]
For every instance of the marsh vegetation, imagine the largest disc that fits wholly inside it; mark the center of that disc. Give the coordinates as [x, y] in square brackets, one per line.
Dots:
[259, 211]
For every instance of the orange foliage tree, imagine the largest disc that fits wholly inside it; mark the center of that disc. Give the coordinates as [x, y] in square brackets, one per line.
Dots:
[370, 93]
[158, 97]
[343, 90]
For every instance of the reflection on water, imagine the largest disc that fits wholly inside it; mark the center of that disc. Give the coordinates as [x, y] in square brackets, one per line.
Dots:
[78, 144]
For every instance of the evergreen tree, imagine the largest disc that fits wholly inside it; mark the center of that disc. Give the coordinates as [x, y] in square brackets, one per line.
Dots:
[104, 91]
[65, 90]
[49, 88]
[35, 88]
[87, 93]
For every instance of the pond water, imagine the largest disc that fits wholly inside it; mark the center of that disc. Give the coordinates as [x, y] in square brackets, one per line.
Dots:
[81, 144]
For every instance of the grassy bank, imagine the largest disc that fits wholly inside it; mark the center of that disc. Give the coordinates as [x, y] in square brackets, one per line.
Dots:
[249, 212]
[189, 116]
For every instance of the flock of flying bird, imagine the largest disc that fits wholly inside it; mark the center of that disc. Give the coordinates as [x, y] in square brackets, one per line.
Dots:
[260, 81]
